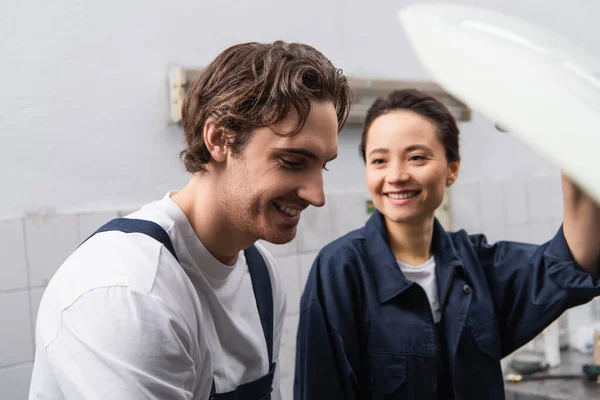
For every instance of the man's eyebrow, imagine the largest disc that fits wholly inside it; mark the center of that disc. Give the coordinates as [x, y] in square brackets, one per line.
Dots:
[302, 152]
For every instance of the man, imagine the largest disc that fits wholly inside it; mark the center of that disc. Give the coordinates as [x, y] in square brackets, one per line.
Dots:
[175, 301]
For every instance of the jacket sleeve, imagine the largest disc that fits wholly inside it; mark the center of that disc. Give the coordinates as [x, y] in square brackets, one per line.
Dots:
[324, 356]
[532, 285]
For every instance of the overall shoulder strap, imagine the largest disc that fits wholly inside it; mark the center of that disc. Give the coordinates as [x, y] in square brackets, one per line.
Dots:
[263, 292]
[149, 228]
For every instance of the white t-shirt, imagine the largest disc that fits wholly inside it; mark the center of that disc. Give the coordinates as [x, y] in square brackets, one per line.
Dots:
[121, 319]
[424, 275]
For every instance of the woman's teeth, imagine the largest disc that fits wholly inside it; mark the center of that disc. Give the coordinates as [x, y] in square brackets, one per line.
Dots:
[400, 196]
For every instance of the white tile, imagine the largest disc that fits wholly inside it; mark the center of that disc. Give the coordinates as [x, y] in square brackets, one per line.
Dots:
[541, 232]
[14, 381]
[557, 200]
[558, 223]
[287, 388]
[124, 213]
[88, 223]
[287, 355]
[544, 199]
[49, 241]
[464, 206]
[491, 198]
[35, 297]
[556, 196]
[444, 213]
[280, 249]
[348, 212]
[520, 233]
[515, 198]
[306, 261]
[494, 234]
[470, 230]
[288, 269]
[13, 267]
[314, 229]
[16, 344]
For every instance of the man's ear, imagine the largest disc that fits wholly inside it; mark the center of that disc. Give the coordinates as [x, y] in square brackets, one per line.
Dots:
[215, 139]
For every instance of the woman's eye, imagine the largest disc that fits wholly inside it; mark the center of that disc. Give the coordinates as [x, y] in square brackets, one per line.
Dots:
[417, 158]
[378, 161]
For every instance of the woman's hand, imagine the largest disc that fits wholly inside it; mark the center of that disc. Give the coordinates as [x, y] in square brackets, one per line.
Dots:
[581, 226]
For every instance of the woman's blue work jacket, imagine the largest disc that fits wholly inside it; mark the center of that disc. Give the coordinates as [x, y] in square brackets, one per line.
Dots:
[366, 332]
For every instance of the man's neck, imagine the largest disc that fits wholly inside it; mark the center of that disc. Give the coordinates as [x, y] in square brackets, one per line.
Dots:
[199, 202]
[411, 242]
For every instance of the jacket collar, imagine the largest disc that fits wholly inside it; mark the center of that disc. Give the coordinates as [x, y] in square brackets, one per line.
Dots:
[389, 279]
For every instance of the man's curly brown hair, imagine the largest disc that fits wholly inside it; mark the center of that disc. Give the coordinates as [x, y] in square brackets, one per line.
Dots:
[254, 85]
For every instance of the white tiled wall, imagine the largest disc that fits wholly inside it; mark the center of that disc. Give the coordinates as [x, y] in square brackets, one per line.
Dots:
[306, 261]
[48, 241]
[290, 274]
[280, 249]
[347, 211]
[526, 210]
[287, 357]
[16, 344]
[32, 249]
[14, 381]
[35, 296]
[314, 229]
[88, 223]
[515, 195]
[492, 207]
[13, 274]
[464, 206]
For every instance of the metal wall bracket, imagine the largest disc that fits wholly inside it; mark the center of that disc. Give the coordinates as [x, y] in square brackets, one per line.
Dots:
[366, 90]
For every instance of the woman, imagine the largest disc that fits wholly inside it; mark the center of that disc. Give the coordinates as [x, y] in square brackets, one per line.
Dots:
[403, 309]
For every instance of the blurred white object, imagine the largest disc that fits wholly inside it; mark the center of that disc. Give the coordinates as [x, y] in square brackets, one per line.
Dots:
[539, 86]
[583, 321]
[551, 345]
[580, 330]
[583, 338]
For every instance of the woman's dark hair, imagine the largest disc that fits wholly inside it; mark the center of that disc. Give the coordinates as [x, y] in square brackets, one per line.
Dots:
[422, 104]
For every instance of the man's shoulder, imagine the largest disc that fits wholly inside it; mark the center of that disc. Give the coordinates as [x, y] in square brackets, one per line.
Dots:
[119, 266]
[114, 259]
[117, 258]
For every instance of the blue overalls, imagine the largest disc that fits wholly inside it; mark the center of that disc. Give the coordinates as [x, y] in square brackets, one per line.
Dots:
[261, 388]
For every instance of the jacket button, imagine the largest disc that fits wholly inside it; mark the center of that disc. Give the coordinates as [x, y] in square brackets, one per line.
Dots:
[467, 289]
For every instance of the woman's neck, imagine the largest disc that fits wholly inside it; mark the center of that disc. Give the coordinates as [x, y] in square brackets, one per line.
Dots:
[411, 241]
